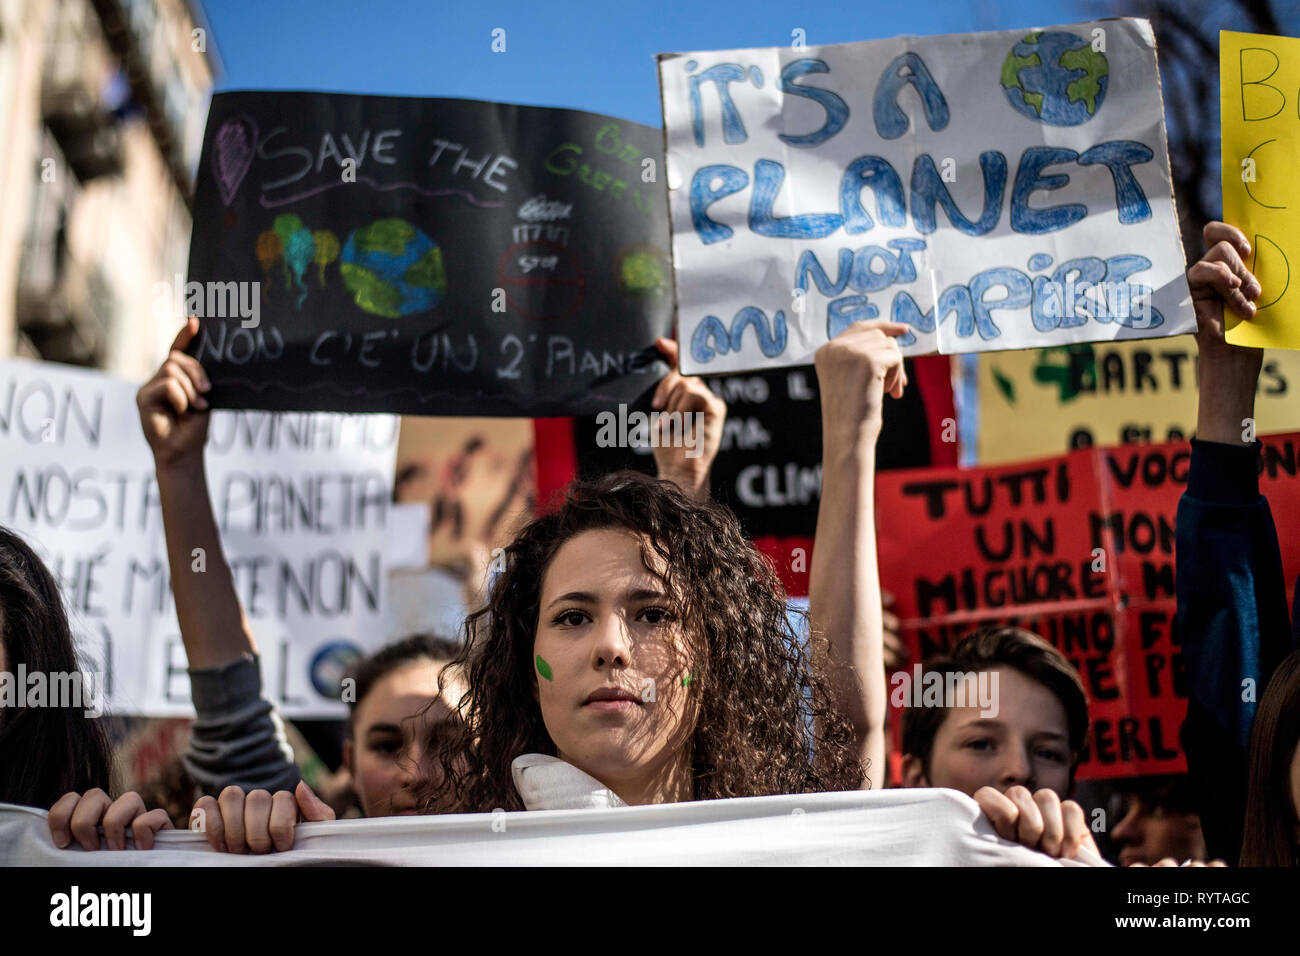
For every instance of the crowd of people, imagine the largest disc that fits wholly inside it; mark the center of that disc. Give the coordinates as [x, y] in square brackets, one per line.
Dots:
[636, 583]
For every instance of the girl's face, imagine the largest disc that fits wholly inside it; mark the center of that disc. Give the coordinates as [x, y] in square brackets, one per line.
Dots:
[389, 753]
[1026, 744]
[612, 669]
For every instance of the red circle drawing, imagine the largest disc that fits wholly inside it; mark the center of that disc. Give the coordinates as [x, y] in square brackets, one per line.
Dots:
[542, 280]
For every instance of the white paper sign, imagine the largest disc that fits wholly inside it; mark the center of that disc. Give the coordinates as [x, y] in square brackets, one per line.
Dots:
[302, 501]
[1019, 179]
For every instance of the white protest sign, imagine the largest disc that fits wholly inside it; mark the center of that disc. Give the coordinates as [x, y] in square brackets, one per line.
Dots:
[1019, 181]
[302, 501]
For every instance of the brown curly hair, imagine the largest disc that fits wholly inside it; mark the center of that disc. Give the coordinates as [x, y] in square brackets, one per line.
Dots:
[766, 720]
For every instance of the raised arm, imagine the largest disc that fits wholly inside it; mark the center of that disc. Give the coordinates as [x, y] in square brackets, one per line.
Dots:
[1232, 611]
[854, 372]
[174, 415]
[237, 738]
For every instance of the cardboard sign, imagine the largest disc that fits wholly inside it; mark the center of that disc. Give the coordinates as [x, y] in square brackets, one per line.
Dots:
[430, 256]
[1259, 90]
[991, 191]
[301, 501]
[1078, 549]
[1049, 401]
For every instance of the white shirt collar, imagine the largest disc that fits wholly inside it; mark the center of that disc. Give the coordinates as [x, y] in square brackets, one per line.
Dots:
[548, 783]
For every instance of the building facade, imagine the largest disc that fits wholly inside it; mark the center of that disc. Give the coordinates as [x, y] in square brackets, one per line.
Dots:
[102, 106]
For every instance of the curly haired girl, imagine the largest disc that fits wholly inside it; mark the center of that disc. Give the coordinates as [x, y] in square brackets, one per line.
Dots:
[637, 636]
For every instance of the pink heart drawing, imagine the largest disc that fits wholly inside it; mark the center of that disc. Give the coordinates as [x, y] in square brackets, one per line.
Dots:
[233, 157]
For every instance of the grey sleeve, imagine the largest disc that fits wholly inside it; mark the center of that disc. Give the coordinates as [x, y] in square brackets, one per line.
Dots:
[238, 737]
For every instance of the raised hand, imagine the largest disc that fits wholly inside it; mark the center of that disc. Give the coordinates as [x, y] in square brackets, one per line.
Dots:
[1220, 277]
[687, 395]
[173, 411]
[855, 370]
[1228, 373]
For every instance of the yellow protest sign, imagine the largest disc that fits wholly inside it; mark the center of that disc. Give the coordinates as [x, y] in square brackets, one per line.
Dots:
[1046, 401]
[1259, 96]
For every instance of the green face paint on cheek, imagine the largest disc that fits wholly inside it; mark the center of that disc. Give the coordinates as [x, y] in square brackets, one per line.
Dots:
[543, 668]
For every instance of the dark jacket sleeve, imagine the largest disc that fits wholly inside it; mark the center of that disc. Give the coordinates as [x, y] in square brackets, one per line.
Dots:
[237, 738]
[1233, 621]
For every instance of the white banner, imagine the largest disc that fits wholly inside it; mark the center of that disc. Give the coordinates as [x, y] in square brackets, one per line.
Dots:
[302, 501]
[1018, 179]
[860, 828]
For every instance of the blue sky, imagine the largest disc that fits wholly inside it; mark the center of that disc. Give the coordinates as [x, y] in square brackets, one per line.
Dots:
[583, 55]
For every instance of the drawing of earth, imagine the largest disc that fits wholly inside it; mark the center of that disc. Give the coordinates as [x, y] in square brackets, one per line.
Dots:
[642, 271]
[393, 269]
[330, 664]
[1055, 78]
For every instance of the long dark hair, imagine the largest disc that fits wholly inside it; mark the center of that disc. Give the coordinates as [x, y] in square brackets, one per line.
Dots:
[44, 751]
[766, 722]
[1270, 832]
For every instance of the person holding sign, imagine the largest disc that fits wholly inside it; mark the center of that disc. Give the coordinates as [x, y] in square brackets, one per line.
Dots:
[636, 650]
[387, 752]
[237, 749]
[237, 740]
[1232, 596]
[855, 371]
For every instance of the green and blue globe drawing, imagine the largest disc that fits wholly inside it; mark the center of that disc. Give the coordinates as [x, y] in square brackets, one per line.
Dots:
[330, 664]
[393, 269]
[1056, 78]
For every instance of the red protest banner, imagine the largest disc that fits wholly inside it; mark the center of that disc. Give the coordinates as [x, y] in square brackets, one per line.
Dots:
[1077, 548]
[1139, 728]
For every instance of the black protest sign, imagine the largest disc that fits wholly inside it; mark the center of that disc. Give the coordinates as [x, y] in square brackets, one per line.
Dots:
[426, 256]
[768, 469]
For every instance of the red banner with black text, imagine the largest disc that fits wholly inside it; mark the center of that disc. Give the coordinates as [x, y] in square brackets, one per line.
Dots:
[1079, 549]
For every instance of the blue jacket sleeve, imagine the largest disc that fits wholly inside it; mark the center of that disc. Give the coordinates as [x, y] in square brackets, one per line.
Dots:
[1234, 626]
[237, 738]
